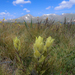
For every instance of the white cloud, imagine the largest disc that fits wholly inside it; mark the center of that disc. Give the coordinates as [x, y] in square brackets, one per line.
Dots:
[65, 4]
[21, 5]
[6, 14]
[48, 14]
[26, 10]
[48, 7]
[63, 13]
[20, 1]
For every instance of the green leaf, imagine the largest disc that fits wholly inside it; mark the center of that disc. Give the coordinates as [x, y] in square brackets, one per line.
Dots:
[26, 24]
[42, 72]
[31, 23]
[18, 57]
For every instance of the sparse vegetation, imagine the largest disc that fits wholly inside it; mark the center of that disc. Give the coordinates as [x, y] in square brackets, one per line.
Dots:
[61, 59]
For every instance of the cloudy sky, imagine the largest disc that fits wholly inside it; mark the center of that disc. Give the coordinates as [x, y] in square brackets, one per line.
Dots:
[11, 9]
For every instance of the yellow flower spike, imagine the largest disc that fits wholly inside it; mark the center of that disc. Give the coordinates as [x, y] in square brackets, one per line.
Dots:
[39, 44]
[36, 54]
[0, 21]
[41, 59]
[15, 21]
[36, 38]
[49, 41]
[60, 24]
[4, 19]
[39, 39]
[16, 42]
[41, 47]
[18, 24]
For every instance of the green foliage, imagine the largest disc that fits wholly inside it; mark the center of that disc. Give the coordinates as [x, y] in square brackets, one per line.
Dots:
[1, 73]
[26, 25]
[31, 23]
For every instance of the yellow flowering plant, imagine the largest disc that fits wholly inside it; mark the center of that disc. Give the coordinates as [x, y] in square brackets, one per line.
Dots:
[16, 43]
[39, 44]
[40, 52]
[36, 54]
[41, 59]
[49, 42]
[3, 19]
[0, 21]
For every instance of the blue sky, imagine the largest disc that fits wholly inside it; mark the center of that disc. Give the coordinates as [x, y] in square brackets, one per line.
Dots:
[11, 9]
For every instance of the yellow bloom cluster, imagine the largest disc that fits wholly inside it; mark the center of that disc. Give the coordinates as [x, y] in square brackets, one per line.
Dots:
[49, 41]
[42, 58]
[4, 19]
[16, 43]
[40, 48]
[36, 54]
[38, 45]
[18, 24]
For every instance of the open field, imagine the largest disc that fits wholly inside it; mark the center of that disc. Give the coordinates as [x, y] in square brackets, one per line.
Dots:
[61, 53]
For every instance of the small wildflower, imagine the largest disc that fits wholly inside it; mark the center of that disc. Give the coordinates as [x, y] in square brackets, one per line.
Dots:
[3, 19]
[18, 24]
[16, 42]
[60, 24]
[0, 21]
[39, 44]
[15, 21]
